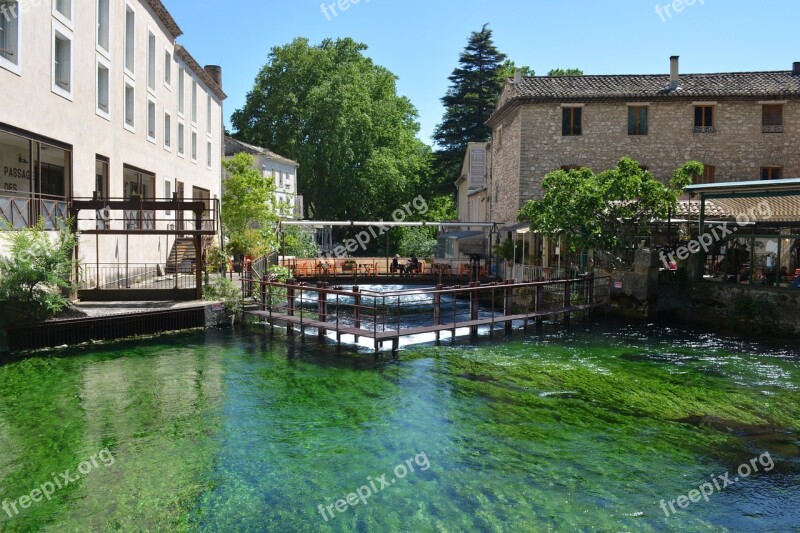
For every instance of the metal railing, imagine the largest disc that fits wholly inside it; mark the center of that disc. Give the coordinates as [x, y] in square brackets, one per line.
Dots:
[131, 276]
[387, 316]
[772, 128]
[23, 210]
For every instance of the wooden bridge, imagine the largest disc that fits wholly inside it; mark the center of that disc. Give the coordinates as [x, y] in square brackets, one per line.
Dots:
[387, 316]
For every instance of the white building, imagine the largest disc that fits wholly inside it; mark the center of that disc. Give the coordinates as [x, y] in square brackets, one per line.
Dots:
[281, 170]
[98, 99]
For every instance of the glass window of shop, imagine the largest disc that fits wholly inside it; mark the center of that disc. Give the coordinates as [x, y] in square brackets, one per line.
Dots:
[28, 166]
[768, 260]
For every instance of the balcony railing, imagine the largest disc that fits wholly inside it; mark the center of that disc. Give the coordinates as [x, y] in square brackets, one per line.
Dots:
[22, 210]
[772, 128]
[705, 129]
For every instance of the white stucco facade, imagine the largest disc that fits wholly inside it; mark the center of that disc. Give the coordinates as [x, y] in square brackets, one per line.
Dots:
[282, 171]
[99, 98]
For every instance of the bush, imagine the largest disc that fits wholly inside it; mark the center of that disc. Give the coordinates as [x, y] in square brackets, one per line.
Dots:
[34, 273]
[222, 289]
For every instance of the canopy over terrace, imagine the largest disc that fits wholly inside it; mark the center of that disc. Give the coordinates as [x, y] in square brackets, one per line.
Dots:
[768, 248]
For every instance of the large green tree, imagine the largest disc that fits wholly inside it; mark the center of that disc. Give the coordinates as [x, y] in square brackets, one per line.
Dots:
[475, 86]
[336, 113]
[605, 211]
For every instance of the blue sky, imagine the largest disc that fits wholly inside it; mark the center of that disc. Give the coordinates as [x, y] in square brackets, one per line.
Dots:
[420, 40]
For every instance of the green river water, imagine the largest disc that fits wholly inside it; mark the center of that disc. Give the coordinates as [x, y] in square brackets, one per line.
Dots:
[583, 428]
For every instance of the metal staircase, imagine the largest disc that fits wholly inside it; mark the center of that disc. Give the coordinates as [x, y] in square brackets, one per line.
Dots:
[182, 259]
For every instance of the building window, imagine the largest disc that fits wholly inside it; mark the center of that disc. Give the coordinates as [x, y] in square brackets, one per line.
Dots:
[567, 168]
[101, 176]
[209, 154]
[194, 147]
[103, 90]
[208, 114]
[151, 121]
[772, 118]
[63, 9]
[62, 64]
[151, 61]
[167, 69]
[130, 106]
[194, 102]
[9, 35]
[571, 121]
[181, 139]
[771, 173]
[498, 137]
[167, 192]
[167, 131]
[709, 175]
[130, 39]
[103, 21]
[704, 119]
[181, 90]
[637, 120]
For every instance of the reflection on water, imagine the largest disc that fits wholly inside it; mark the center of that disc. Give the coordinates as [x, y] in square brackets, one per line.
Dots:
[588, 427]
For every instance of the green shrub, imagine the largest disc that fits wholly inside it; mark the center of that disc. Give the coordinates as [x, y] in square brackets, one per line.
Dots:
[36, 272]
[222, 289]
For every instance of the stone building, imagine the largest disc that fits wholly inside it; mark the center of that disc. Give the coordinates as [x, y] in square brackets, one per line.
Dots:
[741, 125]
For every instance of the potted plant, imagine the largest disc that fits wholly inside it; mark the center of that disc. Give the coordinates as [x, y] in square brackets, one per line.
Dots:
[349, 265]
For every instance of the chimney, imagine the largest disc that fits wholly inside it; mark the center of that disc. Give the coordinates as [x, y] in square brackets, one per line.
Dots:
[796, 68]
[517, 76]
[216, 74]
[674, 77]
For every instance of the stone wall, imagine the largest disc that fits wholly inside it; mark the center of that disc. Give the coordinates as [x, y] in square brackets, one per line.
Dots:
[743, 309]
[533, 145]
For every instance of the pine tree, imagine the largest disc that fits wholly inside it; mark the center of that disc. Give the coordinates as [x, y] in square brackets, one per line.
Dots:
[475, 86]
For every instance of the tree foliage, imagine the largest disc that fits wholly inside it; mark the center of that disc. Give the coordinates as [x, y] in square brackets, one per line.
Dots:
[336, 113]
[249, 208]
[299, 242]
[475, 86]
[604, 211]
[559, 72]
[33, 273]
[416, 241]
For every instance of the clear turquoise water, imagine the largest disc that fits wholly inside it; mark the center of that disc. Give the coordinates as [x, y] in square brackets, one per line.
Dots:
[562, 430]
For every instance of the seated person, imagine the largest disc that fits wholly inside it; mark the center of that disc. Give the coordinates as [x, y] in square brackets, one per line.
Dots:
[413, 265]
[396, 265]
[796, 283]
[744, 275]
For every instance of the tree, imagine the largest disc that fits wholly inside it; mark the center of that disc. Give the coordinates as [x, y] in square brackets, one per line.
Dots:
[299, 242]
[416, 241]
[509, 69]
[475, 86]
[249, 208]
[336, 113]
[558, 72]
[604, 211]
[34, 273]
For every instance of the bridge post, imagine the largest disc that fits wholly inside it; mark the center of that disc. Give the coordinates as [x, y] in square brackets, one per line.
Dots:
[289, 305]
[508, 303]
[357, 304]
[567, 300]
[322, 310]
[539, 304]
[437, 309]
[473, 306]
